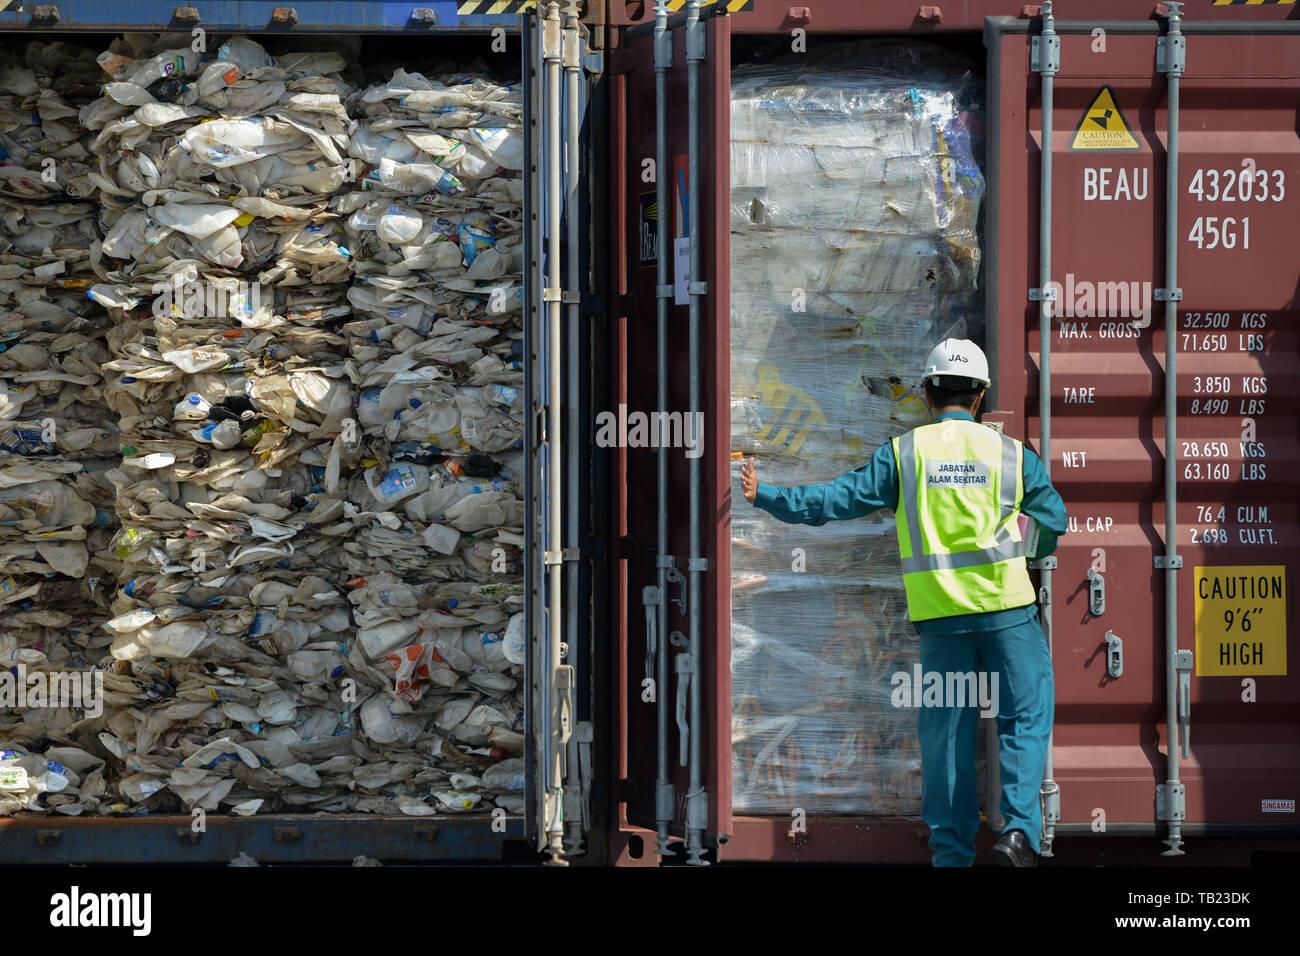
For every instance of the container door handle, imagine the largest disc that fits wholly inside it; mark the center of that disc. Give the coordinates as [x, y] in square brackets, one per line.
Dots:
[1114, 655]
[650, 599]
[685, 667]
[1096, 593]
[1183, 662]
[565, 679]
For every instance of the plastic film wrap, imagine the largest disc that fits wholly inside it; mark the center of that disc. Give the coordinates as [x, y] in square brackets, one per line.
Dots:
[855, 200]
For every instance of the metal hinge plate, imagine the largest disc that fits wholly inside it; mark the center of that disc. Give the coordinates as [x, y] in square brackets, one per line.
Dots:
[1053, 61]
[1176, 63]
[1167, 810]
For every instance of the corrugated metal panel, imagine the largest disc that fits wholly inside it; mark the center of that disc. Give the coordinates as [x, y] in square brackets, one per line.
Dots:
[1237, 388]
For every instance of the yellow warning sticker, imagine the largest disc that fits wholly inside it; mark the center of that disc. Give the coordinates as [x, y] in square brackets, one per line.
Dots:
[731, 6]
[1103, 126]
[1241, 620]
[468, 8]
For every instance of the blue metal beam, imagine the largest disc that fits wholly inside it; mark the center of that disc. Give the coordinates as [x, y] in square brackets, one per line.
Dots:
[312, 16]
[270, 839]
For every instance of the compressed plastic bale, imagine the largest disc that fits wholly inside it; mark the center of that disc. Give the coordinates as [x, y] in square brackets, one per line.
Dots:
[414, 345]
[859, 178]
[230, 498]
[245, 496]
[57, 435]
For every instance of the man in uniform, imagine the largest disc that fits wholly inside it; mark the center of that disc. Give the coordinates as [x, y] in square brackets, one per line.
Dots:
[958, 489]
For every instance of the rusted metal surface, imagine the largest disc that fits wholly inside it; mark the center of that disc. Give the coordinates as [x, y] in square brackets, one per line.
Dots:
[828, 840]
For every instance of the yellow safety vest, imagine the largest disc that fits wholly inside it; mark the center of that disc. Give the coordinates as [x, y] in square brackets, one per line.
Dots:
[960, 487]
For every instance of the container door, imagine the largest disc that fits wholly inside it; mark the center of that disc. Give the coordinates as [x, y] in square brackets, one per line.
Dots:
[635, 219]
[560, 64]
[1234, 308]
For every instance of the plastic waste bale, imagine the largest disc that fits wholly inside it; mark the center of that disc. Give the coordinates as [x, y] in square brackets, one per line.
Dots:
[226, 277]
[44, 150]
[224, 158]
[855, 199]
[277, 629]
[58, 438]
[435, 348]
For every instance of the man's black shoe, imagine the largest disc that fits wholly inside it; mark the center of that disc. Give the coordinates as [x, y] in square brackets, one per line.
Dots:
[1013, 849]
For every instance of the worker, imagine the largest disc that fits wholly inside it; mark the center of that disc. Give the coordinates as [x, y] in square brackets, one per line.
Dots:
[958, 489]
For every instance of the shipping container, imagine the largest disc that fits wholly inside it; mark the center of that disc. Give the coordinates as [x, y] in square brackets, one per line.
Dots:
[556, 55]
[649, 722]
[1136, 294]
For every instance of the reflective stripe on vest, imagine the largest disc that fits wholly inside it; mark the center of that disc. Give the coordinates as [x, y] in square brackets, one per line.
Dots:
[971, 493]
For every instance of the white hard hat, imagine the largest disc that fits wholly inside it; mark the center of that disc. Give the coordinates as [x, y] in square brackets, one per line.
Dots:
[957, 358]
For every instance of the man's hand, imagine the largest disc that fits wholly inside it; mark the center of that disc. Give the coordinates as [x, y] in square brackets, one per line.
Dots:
[749, 481]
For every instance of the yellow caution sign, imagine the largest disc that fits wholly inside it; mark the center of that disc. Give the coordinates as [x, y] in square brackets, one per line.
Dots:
[1103, 126]
[1241, 620]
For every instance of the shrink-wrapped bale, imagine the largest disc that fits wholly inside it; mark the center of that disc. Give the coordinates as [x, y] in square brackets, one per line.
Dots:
[855, 196]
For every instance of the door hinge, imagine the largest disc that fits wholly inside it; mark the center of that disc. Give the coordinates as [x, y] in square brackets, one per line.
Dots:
[1171, 54]
[1052, 63]
[1171, 802]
